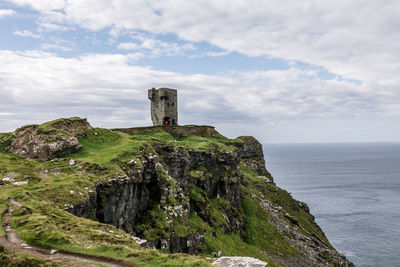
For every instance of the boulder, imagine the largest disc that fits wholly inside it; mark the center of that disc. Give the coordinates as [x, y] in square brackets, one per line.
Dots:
[239, 262]
[49, 140]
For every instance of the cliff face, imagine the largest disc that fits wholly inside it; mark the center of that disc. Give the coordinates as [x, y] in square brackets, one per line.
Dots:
[180, 189]
[174, 182]
[167, 186]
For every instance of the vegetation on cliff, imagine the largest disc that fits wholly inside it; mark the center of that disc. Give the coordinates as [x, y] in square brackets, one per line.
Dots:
[193, 192]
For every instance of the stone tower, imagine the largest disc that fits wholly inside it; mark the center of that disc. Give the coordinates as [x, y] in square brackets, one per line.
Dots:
[164, 106]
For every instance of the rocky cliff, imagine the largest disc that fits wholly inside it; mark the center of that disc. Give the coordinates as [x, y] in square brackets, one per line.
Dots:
[179, 189]
[161, 188]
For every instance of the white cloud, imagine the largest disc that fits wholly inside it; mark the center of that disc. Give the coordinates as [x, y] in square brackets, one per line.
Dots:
[154, 47]
[217, 54]
[38, 86]
[6, 12]
[50, 27]
[128, 46]
[51, 21]
[58, 44]
[355, 39]
[42, 5]
[26, 33]
[49, 46]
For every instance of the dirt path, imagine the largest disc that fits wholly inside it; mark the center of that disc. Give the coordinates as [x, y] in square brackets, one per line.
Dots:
[13, 242]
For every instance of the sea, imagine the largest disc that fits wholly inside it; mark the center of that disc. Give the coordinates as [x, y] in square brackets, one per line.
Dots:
[352, 189]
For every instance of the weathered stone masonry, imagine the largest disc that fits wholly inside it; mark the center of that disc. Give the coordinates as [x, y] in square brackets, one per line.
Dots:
[164, 106]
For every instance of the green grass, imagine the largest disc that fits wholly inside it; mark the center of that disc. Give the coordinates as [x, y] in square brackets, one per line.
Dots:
[42, 225]
[205, 143]
[5, 140]
[48, 126]
[260, 232]
[55, 181]
[155, 225]
[218, 207]
[260, 237]
[9, 258]
[282, 198]
[197, 224]
[197, 194]
[101, 146]
[305, 219]
[249, 173]
[155, 259]
[200, 173]
[233, 245]
[15, 164]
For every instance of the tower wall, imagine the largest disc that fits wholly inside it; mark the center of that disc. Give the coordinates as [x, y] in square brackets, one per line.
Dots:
[164, 106]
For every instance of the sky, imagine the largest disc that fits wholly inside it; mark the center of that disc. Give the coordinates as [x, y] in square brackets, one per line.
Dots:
[282, 71]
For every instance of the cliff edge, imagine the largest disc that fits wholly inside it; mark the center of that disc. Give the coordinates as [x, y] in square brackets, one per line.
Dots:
[142, 192]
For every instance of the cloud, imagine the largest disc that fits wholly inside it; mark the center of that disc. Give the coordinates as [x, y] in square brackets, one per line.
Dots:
[154, 47]
[355, 40]
[50, 27]
[53, 20]
[59, 44]
[42, 5]
[217, 54]
[209, 54]
[6, 12]
[48, 46]
[38, 86]
[26, 33]
[128, 46]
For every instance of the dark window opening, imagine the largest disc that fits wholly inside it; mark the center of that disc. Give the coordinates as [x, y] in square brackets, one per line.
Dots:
[168, 104]
[173, 104]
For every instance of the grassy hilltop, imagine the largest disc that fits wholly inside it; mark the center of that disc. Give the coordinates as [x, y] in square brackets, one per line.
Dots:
[272, 218]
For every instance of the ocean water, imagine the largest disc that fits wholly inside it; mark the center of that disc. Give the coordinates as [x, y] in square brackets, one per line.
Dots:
[353, 190]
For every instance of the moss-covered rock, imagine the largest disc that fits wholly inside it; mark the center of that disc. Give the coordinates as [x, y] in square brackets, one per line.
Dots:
[49, 140]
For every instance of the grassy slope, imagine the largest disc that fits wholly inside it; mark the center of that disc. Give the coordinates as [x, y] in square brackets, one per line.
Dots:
[48, 126]
[55, 185]
[282, 198]
[10, 258]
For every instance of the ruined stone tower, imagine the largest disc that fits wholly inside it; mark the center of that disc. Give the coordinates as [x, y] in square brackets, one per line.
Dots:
[164, 106]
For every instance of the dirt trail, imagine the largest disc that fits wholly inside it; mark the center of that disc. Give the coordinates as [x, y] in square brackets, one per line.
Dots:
[13, 242]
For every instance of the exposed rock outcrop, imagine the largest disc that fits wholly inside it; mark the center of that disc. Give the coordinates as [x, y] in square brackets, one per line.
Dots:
[166, 187]
[172, 181]
[50, 140]
[251, 147]
[252, 155]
